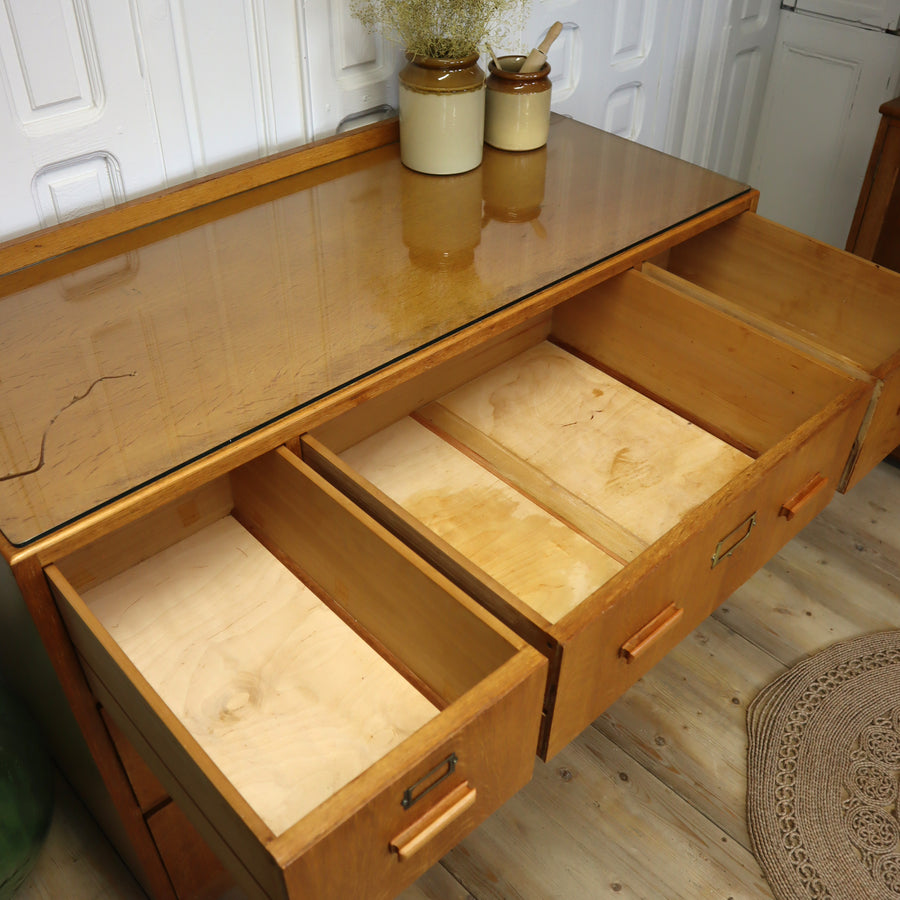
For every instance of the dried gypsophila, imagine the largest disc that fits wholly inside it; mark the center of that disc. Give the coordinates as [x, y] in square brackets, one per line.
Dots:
[442, 29]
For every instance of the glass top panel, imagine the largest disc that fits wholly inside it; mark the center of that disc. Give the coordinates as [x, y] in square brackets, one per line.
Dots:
[128, 358]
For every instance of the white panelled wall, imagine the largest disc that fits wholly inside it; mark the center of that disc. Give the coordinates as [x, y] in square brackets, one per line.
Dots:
[105, 100]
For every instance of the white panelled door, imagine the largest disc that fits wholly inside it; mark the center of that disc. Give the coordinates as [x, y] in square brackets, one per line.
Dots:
[76, 130]
[352, 75]
[226, 77]
[104, 100]
[729, 48]
[613, 65]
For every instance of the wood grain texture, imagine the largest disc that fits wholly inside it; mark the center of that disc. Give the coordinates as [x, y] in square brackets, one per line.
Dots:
[875, 230]
[635, 462]
[803, 343]
[428, 625]
[122, 361]
[569, 506]
[539, 558]
[837, 303]
[215, 623]
[725, 375]
[595, 823]
[148, 792]
[845, 303]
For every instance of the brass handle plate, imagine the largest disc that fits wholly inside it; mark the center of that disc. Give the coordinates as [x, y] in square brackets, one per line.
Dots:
[733, 540]
[430, 780]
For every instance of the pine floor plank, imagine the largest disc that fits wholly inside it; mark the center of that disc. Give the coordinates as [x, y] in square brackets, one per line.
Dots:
[436, 884]
[838, 578]
[684, 721]
[595, 823]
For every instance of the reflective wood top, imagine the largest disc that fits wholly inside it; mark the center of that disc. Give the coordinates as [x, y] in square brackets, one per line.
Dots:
[128, 358]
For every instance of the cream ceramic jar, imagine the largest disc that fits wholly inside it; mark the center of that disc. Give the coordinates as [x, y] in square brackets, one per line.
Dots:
[517, 106]
[442, 115]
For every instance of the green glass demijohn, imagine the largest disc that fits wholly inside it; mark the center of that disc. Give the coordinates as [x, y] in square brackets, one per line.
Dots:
[26, 793]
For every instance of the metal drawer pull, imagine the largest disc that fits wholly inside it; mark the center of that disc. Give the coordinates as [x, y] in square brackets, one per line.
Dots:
[410, 796]
[652, 631]
[803, 496]
[746, 527]
[435, 820]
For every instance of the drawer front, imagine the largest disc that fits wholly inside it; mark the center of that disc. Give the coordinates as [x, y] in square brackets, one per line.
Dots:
[679, 581]
[393, 844]
[400, 818]
[411, 800]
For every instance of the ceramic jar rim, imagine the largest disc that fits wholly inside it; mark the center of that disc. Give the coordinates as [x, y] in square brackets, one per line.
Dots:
[423, 74]
[543, 72]
[433, 62]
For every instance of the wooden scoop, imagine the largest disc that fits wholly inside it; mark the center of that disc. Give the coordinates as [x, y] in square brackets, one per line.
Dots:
[538, 56]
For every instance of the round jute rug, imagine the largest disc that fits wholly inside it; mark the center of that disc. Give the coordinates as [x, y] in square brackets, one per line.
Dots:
[824, 772]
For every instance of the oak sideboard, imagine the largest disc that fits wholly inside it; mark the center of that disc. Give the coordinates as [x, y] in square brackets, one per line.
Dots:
[338, 493]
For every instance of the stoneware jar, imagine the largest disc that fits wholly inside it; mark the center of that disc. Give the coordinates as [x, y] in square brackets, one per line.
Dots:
[517, 107]
[441, 115]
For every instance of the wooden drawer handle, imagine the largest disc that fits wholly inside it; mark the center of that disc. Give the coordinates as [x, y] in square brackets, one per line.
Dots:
[803, 496]
[652, 631]
[413, 838]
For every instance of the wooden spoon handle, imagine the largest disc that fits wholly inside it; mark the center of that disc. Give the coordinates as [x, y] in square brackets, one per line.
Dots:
[554, 32]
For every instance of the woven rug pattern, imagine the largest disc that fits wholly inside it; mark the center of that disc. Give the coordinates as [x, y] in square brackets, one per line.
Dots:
[823, 774]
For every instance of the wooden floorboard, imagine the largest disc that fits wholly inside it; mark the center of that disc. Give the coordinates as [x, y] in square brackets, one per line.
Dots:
[649, 801]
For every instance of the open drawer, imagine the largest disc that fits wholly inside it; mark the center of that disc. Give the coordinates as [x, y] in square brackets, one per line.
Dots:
[604, 476]
[842, 307]
[330, 713]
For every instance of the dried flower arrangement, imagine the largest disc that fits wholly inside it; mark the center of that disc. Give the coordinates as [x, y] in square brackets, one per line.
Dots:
[442, 29]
